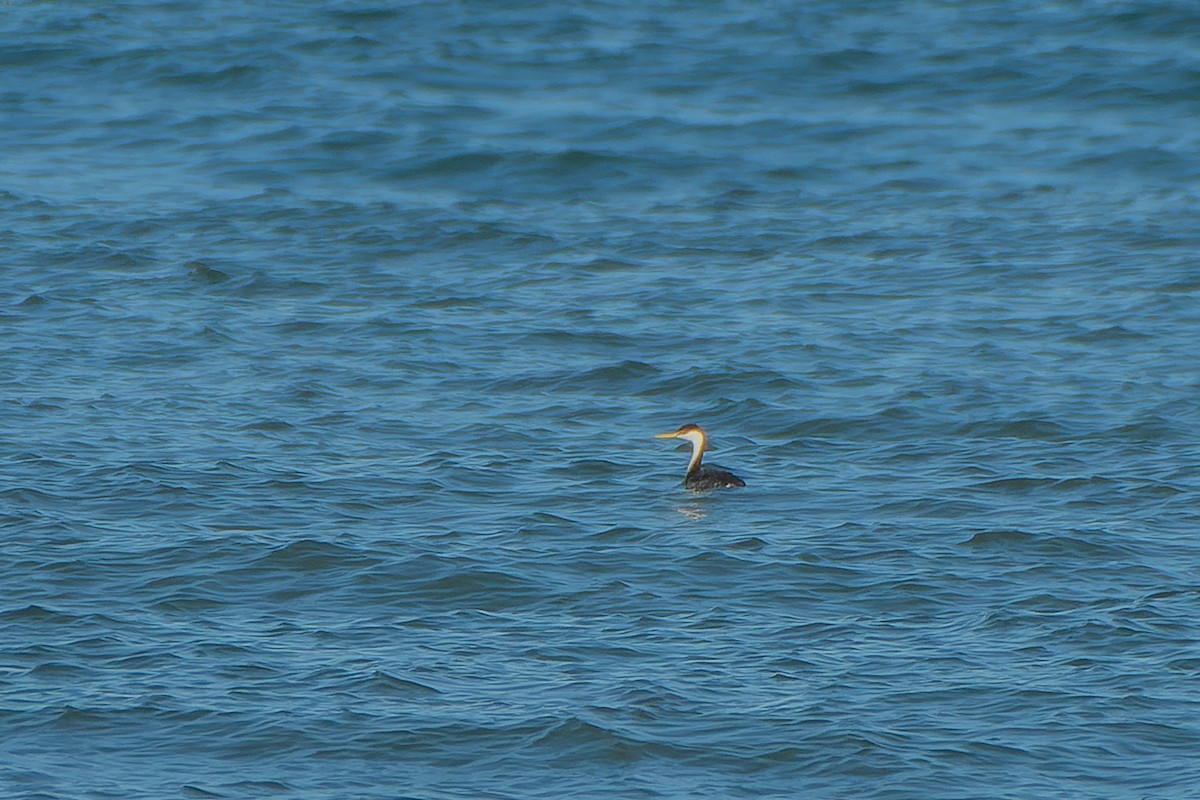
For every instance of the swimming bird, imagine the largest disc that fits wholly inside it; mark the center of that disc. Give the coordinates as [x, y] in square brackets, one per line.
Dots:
[699, 477]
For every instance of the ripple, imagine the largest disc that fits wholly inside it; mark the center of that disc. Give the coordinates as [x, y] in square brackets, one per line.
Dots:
[332, 402]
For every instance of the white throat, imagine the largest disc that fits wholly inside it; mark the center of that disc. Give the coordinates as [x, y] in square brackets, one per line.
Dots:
[697, 440]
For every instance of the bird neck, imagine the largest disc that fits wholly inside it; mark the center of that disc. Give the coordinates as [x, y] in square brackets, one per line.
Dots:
[698, 443]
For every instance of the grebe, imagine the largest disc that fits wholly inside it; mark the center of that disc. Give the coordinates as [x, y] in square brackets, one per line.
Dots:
[699, 477]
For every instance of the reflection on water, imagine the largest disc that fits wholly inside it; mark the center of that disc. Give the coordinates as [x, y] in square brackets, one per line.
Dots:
[693, 510]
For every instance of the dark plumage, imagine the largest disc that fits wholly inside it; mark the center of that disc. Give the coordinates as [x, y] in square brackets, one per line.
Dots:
[700, 477]
[711, 478]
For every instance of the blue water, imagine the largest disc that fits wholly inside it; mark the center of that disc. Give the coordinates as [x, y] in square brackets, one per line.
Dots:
[333, 340]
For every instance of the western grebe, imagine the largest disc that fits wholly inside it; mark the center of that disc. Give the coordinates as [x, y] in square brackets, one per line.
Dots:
[699, 477]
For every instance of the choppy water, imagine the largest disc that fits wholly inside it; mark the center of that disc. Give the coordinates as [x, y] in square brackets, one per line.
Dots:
[335, 337]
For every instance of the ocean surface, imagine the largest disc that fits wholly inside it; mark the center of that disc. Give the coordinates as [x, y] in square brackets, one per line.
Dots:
[334, 337]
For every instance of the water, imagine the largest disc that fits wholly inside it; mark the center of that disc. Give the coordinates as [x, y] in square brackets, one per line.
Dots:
[335, 337]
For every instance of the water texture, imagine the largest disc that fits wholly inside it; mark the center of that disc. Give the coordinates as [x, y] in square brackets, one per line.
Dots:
[334, 336]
